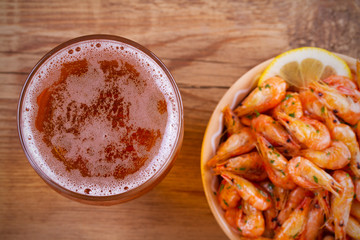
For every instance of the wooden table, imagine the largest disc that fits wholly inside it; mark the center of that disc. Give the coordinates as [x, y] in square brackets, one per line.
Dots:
[207, 46]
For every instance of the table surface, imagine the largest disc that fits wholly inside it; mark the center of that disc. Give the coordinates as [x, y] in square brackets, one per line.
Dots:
[207, 45]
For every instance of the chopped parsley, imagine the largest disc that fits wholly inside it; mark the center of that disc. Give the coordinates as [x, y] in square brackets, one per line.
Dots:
[315, 179]
[323, 109]
[288, 96]
[225, 203]
[259, 88]
[292, 115]
[242, 169]
[257, 113]
[272, 161]
[238, 185]
[295, 236]
[221, 187]
[267, 86]
[297, 164]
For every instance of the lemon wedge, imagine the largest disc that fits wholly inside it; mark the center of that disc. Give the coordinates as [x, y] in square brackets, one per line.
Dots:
[301, 66]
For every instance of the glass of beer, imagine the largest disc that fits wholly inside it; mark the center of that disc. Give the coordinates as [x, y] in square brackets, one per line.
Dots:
[100, 119]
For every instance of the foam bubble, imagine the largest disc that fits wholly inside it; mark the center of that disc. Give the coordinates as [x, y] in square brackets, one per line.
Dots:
[84, 92]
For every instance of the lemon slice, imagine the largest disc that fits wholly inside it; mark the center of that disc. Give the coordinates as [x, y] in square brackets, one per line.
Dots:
[300, 66]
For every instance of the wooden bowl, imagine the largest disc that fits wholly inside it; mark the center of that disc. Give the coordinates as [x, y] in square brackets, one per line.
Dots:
[213, 132]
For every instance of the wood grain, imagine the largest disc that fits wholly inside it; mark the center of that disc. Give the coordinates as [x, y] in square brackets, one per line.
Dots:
[207, 46]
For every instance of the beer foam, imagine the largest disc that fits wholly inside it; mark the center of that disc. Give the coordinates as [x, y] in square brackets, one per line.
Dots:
[97, 131]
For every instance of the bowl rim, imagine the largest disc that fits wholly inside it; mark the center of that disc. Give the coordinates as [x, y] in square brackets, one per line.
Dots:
[214, 129]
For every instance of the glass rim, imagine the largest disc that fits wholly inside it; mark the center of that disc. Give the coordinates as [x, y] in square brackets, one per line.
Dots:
[154, 179]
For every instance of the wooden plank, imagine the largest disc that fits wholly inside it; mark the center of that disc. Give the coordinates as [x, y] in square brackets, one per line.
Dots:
[207, 45]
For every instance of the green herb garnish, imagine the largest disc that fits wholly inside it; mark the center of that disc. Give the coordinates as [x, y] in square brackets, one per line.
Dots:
[315, 179]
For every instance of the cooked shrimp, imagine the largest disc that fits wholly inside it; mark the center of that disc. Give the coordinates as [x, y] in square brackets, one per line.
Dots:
[314, 222]
[311, 104]
[273, 132]
[307, 175]
[322, 198]
[250, 221]
[328, 237]
[271, 213]
[231, 215]
[356, 129]
[357, 189]
[337, 81]
[334, 157]
[248, 191]
[270, 216]
[343, 106]
[341, 204]
[266, 96]
[344, 85]
[291, 105]
[355, 209]
[227, 195]
[246, 120]
[236, 144]
[344, 133]
[353, 228]
[280, 197]
[296, 196]
[310, 132]
[249, 165]
[275, 164]
[295, 224]
[231, 121]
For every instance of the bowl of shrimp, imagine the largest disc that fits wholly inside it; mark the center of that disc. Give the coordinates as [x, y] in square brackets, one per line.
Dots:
[279, 162]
